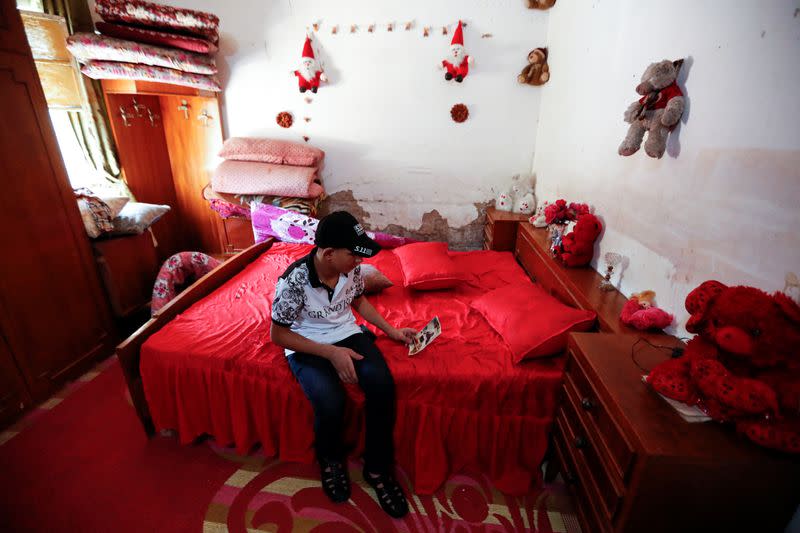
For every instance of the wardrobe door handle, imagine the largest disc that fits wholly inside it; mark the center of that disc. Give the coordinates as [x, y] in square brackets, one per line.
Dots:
[580, 443]
[587, 404]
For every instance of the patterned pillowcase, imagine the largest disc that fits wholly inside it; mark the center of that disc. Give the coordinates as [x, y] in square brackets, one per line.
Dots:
[288, 226]
[91, 46]
[282, 224]
[179, 271]
[238, 205]
[97, 213]
[136, 217]
[271, 151]
[159, 16]
[100, 70]
[161, 38]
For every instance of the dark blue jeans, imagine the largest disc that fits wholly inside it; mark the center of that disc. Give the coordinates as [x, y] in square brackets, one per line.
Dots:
[323, 387]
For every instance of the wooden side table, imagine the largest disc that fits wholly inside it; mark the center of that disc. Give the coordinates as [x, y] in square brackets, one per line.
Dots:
[633, 464]
[500, 231]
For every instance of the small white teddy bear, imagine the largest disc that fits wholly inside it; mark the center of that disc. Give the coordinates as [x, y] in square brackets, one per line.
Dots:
[526, 204]
[538, 220]
[504, 201]
[519, 198]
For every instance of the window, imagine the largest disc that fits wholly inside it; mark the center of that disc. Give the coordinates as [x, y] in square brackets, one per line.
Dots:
[80, 172]
[62, 84]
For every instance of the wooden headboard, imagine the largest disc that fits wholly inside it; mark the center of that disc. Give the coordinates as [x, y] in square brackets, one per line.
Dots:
[578, 287]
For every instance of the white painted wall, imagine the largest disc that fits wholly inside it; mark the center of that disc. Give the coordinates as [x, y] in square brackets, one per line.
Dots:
[724, 203]
[384, 119]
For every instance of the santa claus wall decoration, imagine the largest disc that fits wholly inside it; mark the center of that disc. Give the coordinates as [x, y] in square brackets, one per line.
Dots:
[456, 65]
[309, 74]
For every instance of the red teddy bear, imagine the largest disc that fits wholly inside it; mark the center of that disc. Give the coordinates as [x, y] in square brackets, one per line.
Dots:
[744, 364]
[577, 246]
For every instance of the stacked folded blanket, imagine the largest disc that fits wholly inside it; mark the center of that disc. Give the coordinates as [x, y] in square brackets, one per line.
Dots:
[269, 167]
[150, 42]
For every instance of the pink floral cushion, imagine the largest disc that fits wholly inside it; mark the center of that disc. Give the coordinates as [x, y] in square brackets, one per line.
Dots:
[249, 177]
[270, 221]
[102, 70]
[160, 38]
[177, 273]
[159, 16]
[91, 46]
[271, 151]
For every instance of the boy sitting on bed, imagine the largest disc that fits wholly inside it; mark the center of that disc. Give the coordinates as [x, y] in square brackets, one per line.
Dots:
[312, 319]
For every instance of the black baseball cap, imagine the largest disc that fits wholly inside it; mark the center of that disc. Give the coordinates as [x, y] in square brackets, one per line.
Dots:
[340, 229]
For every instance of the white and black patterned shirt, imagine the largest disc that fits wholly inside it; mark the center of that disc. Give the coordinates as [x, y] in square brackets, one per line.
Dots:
[310, 308]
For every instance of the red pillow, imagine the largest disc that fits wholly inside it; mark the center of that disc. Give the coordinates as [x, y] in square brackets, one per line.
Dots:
[427, 266]
[531, 322]
[160, 38]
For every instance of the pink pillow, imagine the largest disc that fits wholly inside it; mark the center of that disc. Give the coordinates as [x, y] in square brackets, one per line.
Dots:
[271, 151]
[531, 322]
[427, 266]
[160, 38]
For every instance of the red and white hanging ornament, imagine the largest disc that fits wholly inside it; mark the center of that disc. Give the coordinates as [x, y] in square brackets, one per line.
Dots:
[309, 74]
[456, 65]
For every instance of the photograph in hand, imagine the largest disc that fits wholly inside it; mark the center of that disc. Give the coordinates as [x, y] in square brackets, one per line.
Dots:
[422, 339]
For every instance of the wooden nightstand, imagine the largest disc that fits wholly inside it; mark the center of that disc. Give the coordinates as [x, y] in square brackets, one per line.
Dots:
[500, 231]
[634, 465]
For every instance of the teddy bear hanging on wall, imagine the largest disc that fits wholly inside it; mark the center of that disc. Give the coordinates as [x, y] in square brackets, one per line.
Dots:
[656, 112]
[536, 72]
[456, 65]
[309, 74]
[541, 4]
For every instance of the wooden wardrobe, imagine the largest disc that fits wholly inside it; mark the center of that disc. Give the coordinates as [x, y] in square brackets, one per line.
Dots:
[54, 318]
[168, 138]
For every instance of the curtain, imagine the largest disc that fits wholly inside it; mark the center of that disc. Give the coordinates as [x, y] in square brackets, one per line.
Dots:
[91, 125]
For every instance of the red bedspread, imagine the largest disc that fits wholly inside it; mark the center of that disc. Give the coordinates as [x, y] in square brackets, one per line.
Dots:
[461, 402]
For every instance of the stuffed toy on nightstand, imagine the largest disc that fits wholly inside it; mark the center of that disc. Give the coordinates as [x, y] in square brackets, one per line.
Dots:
[641, 313]
[577, 246]
[743, 367]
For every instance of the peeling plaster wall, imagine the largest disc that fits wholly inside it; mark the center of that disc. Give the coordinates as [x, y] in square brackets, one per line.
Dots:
[724, 202]
[384, 120]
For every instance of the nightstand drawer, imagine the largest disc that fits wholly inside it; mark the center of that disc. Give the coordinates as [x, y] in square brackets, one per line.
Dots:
[579, 480]
[583, 443]
[611, 437]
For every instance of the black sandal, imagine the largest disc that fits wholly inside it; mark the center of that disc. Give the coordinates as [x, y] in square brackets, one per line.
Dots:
[335, 482]
[390, 494]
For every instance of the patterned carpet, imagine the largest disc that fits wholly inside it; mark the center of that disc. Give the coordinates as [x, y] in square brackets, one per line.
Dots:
[81, 463]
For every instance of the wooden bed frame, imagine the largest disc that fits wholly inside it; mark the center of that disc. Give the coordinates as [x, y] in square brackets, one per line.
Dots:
[576, 287]
[128, 351]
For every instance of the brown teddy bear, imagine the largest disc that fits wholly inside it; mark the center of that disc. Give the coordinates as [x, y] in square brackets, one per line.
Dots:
[541, 4]
[657, 111]
[536, 72]
[743, 366]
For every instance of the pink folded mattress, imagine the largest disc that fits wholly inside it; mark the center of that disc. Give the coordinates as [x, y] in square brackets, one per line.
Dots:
[275, 151]
[250, 177]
